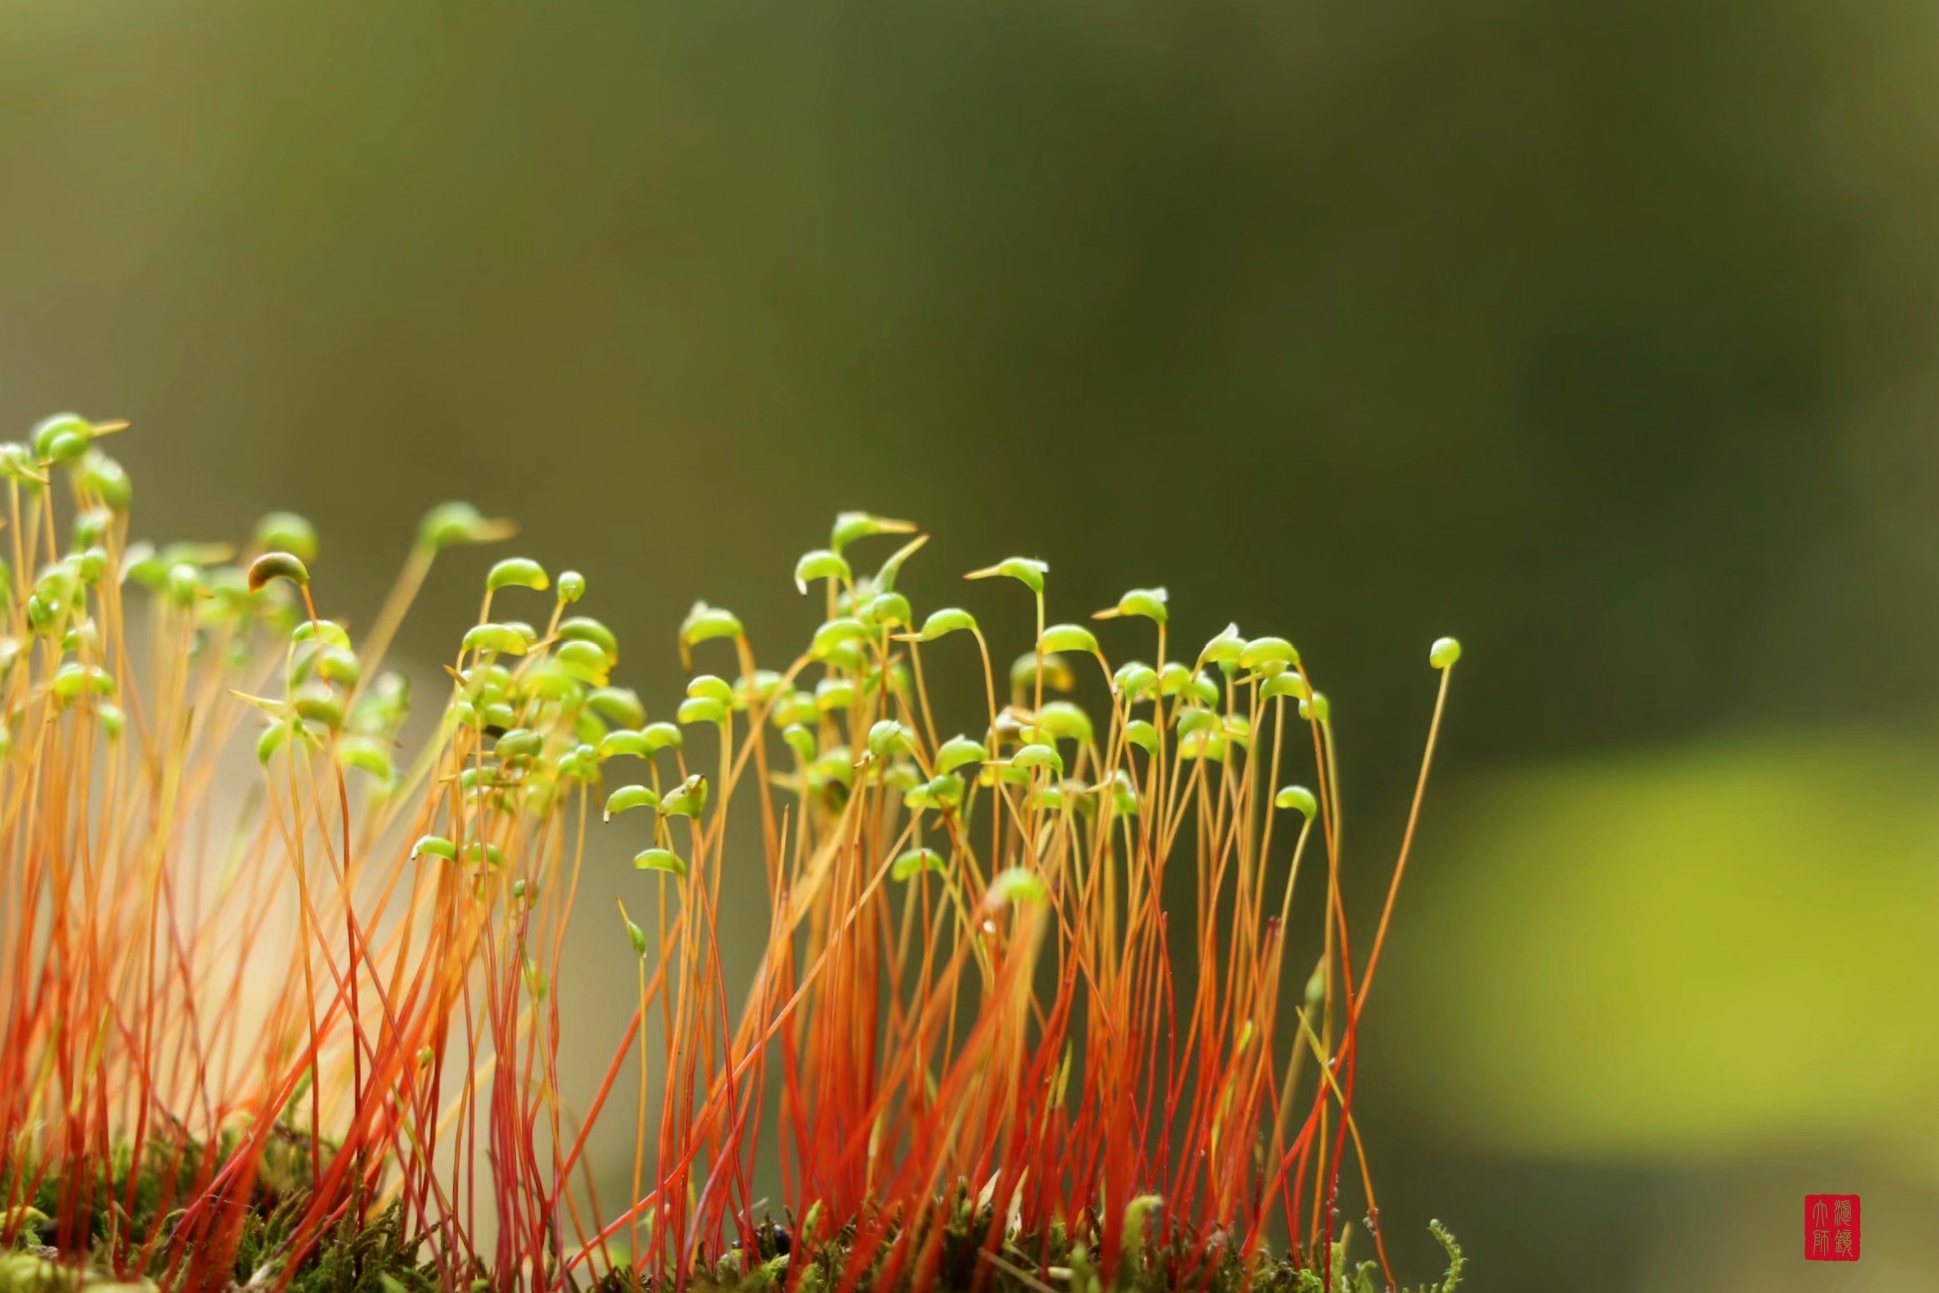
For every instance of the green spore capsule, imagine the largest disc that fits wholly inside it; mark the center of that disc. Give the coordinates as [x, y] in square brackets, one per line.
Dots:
[519, 745]
[886, 736]
[620, 706]
[850, 526]
[1142, 734]
[916, 861]
[662, 736]
[501, 638]
[615, 744]
[948, 620]
[1132, 681]
[1316, 708]
[637, 937]
[1026, 570]
[91, 526]
[702, 709]
[1147, 602]
[277, 565]
[367, 755]
[1297, 797]
[820, 564]
[581, 628]
[957, 751]
[104, 478]
[517, 572]
[436, 846]
[1225, 648]
[286, 532]
[801, 741]
[1067, 637]
[1290, 683]
[630, 797]
[1268, 655]
[834, 634]
[1062, 721]
[709, 687]
[688, 799]
[63, 437]
[885, 610]
[1038, 756]
[660, 860]
[584, 661]
[451, 524]
[572, 586]
[833, 694]
[1444, 653]
[1014, 886]
[704, 623]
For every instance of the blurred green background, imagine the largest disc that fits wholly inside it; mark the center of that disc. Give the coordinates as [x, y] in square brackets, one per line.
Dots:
[1601, 333]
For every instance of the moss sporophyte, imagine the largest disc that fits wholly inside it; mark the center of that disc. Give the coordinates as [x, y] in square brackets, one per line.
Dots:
[1020, 1022]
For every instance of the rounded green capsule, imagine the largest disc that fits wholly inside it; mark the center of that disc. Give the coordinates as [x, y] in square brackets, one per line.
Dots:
[660, 860]
[63, 437]
[801, 741]
[584, 661]
[1016, 885]
[948, 620]
[701, 709]
[1196, 720]
[328, 631]
[517, 572]
[1316, 708]
[1225, 648]
[450, 524]
[504, 639]
[832, 694]
[519, 745]
[1142, 734]
[572, 586]
[957, 751]
[286, 532]
[820, 564]
[367, 755]
[1038, 756]
[708, 687]
[614, 744]
[1026, 570]
[886, 736]
[1444, 653]
[662, 736]
[1297, 797]
[1067, 637]
[1148, 602]
[582, 628]
[1062, 721]
[688, 799]
[620, 706]
[277, 565]
[916, 861]
[1290, 683]
[274, 738]
[104, 478]
[885, 610]
[833, 634]
[630, 797]
[1133, 680]
[705, 623]
[850, 526]
[319, 705]
[1261, 655]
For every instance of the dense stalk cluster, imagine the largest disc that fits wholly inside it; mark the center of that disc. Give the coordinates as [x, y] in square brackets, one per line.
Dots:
[1021, 1017]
